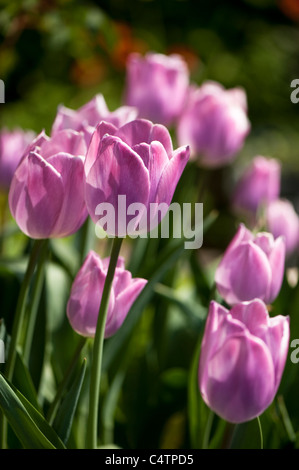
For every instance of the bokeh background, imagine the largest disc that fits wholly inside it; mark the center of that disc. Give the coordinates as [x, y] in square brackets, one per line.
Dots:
[64, 52]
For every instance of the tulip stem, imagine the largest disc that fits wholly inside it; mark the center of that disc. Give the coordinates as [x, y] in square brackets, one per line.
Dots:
[97, 353]
[261, 432]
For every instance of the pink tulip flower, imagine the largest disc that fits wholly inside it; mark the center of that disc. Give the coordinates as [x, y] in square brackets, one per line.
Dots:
[242, 359]
[214, 123]
[252, 267]
[157, 84]
[133, 167]
[259, 185]
[46, 196]
[85, 297]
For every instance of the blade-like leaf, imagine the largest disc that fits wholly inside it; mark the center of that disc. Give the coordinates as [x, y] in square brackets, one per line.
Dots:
[30, 427]
[65, 415]
[23, 382]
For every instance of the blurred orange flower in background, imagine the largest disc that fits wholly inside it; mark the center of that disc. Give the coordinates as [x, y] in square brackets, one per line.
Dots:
[290, 8]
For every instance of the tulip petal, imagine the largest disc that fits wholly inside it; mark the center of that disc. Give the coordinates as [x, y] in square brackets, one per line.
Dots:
[126, 291]
[92, 152]
[67, 141]
[240, 382]
[249, 259]
[36, 196]
[135, 132]
[85, 297]
[277, 339]
[114, 174]
[171, 175]
[73, 210]
[66, 118]
[277, 265]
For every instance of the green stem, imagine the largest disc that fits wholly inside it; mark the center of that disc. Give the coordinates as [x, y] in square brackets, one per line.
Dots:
[36, 294]
[97, 354]
[261, 432]
[17, 326]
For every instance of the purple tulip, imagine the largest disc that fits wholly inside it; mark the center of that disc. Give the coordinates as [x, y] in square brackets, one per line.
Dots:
[13, 144]
[283, 220]
[242, 359]
[132, 170]
[259, 185]
[214, 123]
[85, 297]
[252, 267]
[87, 117]
[46, 196]
[157, 85]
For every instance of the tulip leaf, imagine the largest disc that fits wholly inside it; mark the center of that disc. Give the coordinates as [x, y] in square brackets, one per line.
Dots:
[64, 418]
[29, 425]
[23, 381]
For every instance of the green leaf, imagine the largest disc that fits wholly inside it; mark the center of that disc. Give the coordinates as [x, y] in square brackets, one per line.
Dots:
[65, 415]
[29, 425]
[23, 382]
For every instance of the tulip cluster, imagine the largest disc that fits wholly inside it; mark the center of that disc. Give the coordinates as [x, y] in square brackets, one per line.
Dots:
[93, 157]
[244, 351]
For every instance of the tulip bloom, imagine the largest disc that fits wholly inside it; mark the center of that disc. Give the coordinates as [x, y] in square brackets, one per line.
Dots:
[252, 267]
[157, 85]
[214, 123]
[259, 185]
[283, 220]
[46, 196]
[86, 118]
[13, 144]
[131, 167]
[86, 292]
[242, 359]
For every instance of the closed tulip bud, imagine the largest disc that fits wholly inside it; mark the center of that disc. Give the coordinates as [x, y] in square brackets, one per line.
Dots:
[157, 85]
[132, 170]
[86, 118]
[13, 144]
[86, 292]
[214, 123]
[242, 359]
[283, 220]
[259, 185]
[46, 196]
[252, 267]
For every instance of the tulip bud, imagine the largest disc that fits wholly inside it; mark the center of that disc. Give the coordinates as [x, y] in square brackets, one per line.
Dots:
[259, 185]
[13, 144]
[283, 220]
[242, 359]
[252, 267]
[132, 170]
[46, 196]
[214, 123]
[157, 85]
[86, 292]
